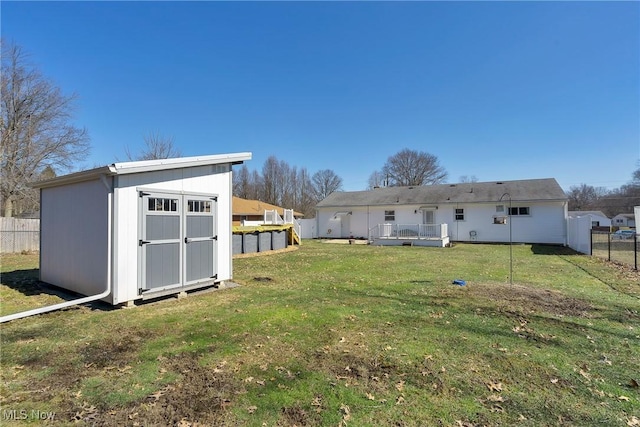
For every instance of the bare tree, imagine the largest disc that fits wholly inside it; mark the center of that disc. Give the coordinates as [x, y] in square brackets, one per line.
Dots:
[409, 167]
[325, 182]
[305, 202]
[376, 180]
[466, 178]
[35, 128]
[270, 172]
[156, 146]
[286, 186]
[585, 197]
[242, 182]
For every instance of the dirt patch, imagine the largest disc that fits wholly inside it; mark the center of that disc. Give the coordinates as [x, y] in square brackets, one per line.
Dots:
[200, 398]
[114, 351]
[532, 300]
[296, 416]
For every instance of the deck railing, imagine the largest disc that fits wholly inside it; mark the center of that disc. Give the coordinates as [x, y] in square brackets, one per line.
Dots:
[408, 231]
[272, 217]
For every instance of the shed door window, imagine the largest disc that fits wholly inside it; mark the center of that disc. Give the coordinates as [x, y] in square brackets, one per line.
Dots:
[203, 206]
[389, 215]
[159, 204]
[459, 214]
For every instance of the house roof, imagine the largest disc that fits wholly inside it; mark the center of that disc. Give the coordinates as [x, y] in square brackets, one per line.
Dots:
[123, 168]
[626, 215]
[528, 190]
[255, 207]
[581, 213]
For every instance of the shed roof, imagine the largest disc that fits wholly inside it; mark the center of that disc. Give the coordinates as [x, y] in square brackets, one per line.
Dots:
[123, 168]
[255, 207]
[529, 190]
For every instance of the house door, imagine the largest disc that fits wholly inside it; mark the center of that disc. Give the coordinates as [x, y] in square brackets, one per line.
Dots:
[428, 216]
[345, 226]
[178, 240]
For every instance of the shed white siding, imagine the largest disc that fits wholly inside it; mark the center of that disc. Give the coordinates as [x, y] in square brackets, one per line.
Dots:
[74, 237]
[201, 180]
[91, 233]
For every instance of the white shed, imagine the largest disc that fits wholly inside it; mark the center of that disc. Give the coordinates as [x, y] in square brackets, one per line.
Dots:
[139, 229]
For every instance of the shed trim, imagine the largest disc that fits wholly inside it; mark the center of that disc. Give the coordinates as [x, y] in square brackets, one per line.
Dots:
[125, 168]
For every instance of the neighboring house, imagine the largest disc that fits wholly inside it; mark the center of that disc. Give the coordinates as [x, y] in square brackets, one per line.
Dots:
[479, 211]
[246, 210]
[624, 220]
[598, 219]
[139, 230]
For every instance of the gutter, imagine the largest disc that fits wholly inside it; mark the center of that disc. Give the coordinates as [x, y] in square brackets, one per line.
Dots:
[82, 300]
[54, 307]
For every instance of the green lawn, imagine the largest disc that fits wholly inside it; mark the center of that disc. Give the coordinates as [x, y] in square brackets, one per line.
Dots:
[341, 335]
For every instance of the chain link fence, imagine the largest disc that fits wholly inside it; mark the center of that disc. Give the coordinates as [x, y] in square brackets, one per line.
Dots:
[19, 235]
[615, 247]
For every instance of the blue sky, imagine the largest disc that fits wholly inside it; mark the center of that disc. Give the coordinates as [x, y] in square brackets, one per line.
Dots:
[495, 90]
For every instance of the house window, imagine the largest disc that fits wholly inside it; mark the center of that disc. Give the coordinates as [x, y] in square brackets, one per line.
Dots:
[389, 215]
[459, 214]
[499, 208]
[522, 210]
[501, 220]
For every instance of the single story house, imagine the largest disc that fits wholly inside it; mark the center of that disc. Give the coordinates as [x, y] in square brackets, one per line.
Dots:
[624, 220]
[141, 229]
[598, 219]
[531, 211]
[254, 210]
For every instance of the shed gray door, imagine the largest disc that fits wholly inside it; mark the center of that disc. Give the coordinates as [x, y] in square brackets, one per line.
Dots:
[201, 240]
[178, 240]
[160, 241]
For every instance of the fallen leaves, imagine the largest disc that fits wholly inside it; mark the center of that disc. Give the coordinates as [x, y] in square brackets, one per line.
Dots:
[346, 414]
[633, 421]
[494, 386]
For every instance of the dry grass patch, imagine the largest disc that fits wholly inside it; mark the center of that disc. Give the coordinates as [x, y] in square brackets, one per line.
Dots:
[530, 299]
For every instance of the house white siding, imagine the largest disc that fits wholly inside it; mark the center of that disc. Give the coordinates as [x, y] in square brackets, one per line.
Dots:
[623, 220]
[545, 223]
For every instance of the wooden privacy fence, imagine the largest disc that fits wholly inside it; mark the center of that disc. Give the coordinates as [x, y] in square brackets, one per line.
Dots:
[17, 235]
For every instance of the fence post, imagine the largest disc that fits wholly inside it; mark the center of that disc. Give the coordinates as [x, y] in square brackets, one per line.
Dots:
[635, 251]
[609, 246]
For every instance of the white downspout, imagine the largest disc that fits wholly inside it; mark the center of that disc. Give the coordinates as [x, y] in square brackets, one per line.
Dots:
[83, 300]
